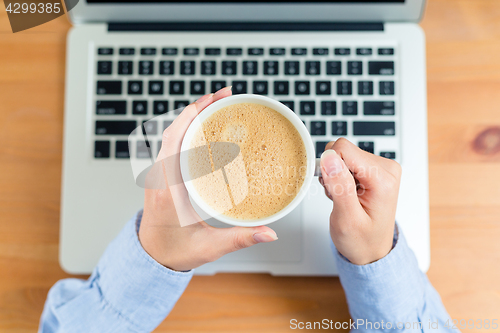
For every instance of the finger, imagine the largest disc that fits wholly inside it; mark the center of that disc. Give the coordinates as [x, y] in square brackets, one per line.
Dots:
[224, 92]
[339, 182]
[226, 240]
[365, 166]
[173, 135]
[329, 145]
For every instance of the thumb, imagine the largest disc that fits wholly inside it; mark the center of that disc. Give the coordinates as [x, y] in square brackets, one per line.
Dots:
[227, 240]
[338, 181]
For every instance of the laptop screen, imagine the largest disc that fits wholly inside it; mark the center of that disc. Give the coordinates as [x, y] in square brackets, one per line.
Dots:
[245, 10]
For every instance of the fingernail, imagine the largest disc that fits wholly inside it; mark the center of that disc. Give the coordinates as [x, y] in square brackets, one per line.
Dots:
[204, 98]
[223, 90]
[331, 163]
[265, 237]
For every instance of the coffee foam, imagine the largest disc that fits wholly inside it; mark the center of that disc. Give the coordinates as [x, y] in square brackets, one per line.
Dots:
[267, 173]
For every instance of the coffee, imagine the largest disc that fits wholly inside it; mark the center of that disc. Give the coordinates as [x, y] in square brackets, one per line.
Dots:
[267, 173]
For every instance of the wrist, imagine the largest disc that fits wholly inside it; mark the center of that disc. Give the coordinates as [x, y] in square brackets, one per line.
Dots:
[359, 256]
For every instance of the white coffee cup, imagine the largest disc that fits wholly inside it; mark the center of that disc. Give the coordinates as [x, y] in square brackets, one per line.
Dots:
[312, 162]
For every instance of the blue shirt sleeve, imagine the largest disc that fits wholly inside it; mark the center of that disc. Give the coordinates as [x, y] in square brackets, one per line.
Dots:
[128, 291]
[394, 291]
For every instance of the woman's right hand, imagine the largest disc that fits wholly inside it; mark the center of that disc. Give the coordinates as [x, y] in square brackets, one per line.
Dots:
[364, 189]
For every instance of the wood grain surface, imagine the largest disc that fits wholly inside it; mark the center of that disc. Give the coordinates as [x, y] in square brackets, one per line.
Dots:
[463, 67]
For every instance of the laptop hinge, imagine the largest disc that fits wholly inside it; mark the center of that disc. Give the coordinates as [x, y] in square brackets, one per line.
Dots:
[245, 26]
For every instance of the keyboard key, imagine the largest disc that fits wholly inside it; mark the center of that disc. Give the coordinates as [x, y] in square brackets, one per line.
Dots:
[302, 88]
[321, 51]
[367, 146]
[349, 108]
[323, 88]
[250, 68]
[105, 51]
[146, 67]
[234, 51]
[277, 51]
[281, 87]
[104, 67]
[208, 68]
[386, 51]
[292, 68]
[197, 87]
[191, 51]
[160, 107]
[328, 108]
[169, 51]
[187, 67]
[320, 147]
[143, 149]
[386, 87]
[339, 128]
[374, 128]
[333, 67]
[239, 87]
[344, 88]
[217, 85]
[176, 88]
[299, 51]
[365, 88]
[167, 67]
[111, 107]
[379, 108]
[109, 127]
[212, 51]
[140, 107]
[318, 128]
[271, 68]
[381, 67]
[135, 87]
[342, 51]
[148, 51]
[150, 127]
[125, 67]
[229, 68]
[121, 150]
[260, 87]
[254, 51]
[289, 104]
[388, 154]
[109, 87]
[101, 149]
[313, 68]
[180, 105]
[308, 108]
[354, 67]
[156, 87]
[127, 51]
[364, 51]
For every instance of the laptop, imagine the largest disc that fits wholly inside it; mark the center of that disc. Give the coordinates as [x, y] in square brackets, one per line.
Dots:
[353, 69]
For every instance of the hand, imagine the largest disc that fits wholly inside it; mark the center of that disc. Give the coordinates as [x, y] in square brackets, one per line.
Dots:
[171, 231]
[364, 190]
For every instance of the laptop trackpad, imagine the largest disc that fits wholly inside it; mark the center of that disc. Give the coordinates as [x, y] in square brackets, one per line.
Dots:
[287, 248]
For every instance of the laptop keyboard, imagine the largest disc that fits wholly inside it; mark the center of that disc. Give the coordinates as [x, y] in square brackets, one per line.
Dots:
[344, 91]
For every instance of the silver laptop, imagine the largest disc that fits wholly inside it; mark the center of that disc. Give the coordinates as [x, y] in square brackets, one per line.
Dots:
[353, 69]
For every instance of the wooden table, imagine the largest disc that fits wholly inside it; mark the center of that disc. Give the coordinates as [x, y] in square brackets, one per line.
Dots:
[463, 40]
